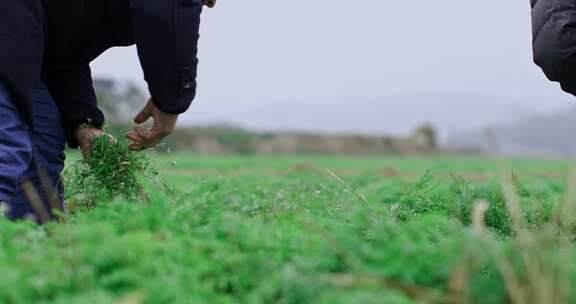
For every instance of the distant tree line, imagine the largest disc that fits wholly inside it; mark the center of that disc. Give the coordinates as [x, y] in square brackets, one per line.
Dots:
[121, 101]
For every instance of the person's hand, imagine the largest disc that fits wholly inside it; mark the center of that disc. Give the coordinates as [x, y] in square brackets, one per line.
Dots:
[164, 124]
[86, 135]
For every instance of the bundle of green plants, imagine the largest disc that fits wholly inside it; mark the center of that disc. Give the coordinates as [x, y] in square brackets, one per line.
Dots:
[111, 170]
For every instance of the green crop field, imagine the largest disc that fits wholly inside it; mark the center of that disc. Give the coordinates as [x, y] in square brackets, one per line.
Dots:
[309, 230]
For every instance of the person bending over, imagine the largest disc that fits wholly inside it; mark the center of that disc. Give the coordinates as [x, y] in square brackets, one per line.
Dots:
[46, 92]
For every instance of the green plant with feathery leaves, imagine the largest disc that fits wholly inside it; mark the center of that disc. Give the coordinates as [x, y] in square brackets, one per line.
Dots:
[109, 171]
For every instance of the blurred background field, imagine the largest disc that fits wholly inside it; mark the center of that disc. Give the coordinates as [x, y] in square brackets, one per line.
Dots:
[547, 135]
[257, 229]
[360, 79]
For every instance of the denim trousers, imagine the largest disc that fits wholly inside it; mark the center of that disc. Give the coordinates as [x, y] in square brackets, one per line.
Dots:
[31, 158]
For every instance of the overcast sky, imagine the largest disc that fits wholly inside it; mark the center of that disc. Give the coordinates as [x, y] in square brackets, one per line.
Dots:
[371, 66]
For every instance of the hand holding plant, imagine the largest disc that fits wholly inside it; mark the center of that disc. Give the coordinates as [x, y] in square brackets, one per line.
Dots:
[86, 135]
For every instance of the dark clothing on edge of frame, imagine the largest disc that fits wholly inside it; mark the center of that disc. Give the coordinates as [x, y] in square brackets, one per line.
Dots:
[72, 33]
[21, 49]
[554, 40]
[26, 154]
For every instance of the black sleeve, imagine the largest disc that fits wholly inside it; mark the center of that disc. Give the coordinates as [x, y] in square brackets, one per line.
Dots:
[73, 90]
[554, 40]
[21, 49]
[166, 34]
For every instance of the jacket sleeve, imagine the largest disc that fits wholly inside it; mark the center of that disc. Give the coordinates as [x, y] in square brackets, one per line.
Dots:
[73, 90]
[21, 50]
[554, 40]
[166, 35]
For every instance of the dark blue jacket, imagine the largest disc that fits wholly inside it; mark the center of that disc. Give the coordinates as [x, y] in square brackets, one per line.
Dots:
[69, 34]
[21, 49]
[554, 40]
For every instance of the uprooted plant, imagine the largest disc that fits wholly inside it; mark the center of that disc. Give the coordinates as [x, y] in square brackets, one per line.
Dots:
[110, 170]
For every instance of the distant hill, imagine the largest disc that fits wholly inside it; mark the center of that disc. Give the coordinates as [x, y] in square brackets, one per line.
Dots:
[544, 135]
[229, 140]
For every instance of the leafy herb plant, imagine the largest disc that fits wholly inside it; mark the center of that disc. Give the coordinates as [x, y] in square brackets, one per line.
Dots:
[109, 171]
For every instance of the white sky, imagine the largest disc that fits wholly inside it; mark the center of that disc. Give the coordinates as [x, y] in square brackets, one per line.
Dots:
[371, 66]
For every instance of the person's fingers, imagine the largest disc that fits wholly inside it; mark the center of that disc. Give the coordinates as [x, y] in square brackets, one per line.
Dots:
[133, 136]
[84, 147]
[83, 140]
[139, 130]
[161, 130]
[137, 134]
[143, 115]
[148, 139]
[86, 137]
[135, 147]
[141, 146]
[150, 136]
[85, 143]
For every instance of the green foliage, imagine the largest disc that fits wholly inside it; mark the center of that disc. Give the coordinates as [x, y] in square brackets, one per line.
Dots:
[110, 170]
[456, 198]
[280, 230]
